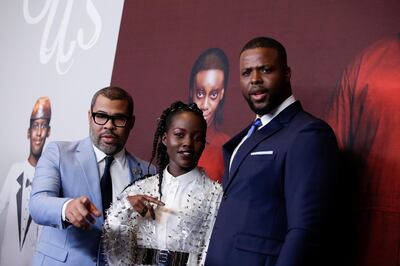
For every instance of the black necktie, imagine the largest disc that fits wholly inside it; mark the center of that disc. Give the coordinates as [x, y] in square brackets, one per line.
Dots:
[106, 185]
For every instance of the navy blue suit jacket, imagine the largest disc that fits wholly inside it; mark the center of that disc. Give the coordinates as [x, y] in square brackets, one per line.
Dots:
[278, 193]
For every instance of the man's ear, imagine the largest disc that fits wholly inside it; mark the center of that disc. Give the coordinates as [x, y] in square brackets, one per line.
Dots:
[132, 122]
[48, 132]
[89, 116]
[288, 73]
[28, 133]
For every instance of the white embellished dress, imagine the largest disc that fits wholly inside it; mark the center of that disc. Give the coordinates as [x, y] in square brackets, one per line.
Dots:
[184, 224]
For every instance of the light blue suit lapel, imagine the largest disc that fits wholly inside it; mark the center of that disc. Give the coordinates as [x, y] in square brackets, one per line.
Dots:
[138, 168]
[134, 169]
[87, 159]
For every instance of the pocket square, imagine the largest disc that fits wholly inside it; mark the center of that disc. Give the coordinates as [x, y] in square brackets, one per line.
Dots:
[262, 153]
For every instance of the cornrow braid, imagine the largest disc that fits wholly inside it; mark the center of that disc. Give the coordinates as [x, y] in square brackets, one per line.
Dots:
[159, 152]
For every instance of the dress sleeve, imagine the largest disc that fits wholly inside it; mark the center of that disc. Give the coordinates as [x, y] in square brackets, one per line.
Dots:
[119, 232]
[216, 195]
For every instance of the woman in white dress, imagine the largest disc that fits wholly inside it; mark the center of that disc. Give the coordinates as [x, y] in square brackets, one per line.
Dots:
[167, 219]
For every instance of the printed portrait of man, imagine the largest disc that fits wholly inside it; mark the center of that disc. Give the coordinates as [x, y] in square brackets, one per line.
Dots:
[20, 232]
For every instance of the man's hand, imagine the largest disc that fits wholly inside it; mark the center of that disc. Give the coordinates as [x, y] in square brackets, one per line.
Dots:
[141, 203]
[81, 212]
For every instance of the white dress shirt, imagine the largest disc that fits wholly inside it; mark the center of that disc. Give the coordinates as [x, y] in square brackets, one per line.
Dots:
[119, 170]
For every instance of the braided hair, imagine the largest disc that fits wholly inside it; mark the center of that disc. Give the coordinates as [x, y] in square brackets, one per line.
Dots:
[159, 152]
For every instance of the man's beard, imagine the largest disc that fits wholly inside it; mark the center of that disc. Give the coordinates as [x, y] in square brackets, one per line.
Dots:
[260, 111]
[107, 149]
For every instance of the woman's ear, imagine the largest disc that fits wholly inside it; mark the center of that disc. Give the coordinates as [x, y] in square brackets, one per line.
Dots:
[221, 94]
[164, 139]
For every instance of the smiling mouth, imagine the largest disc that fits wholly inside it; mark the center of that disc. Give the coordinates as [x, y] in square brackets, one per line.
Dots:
[186, 154]
[38, 142]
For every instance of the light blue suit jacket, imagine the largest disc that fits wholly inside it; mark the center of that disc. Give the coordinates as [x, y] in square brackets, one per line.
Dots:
[69, 170]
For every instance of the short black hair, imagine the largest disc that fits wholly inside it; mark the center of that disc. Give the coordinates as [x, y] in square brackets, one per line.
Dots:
[267, 42]
[212, 58]
[114, 93]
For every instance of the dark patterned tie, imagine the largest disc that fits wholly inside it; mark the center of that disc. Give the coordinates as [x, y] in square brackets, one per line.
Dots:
[106, 185]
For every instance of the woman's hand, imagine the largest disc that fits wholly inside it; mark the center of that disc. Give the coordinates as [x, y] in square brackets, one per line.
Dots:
[141, 204]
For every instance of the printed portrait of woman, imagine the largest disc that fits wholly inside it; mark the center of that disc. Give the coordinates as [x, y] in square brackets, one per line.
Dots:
[207, 88]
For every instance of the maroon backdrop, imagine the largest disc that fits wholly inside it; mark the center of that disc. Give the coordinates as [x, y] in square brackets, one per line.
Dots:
[159, 41]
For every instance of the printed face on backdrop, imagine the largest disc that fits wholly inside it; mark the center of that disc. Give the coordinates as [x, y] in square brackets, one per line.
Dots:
[208, 92]
[109, 138]
[264, 79]
[185, 141]
[37, 134]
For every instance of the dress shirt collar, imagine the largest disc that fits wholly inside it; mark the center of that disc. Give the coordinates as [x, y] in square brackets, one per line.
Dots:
[120, 157]
[182, 179]
[265, 119]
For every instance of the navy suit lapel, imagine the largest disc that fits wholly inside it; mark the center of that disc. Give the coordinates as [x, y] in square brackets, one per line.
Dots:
[267, 131]
[249, 145]
[227, 150]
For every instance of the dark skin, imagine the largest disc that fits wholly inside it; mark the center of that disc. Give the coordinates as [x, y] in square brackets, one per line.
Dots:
[185, 140]
[141, 204]
[264, 79]
[80, 212]
[37, 134]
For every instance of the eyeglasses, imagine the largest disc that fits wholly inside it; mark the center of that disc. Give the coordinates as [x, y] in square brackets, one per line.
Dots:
[117, 120]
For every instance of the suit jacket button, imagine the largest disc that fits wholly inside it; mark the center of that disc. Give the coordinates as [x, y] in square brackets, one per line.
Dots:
[225, 197]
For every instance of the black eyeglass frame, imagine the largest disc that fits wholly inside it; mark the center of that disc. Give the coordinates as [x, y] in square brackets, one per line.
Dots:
[112, 117]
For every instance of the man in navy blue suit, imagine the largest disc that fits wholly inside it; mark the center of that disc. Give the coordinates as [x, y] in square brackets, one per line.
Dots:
[280, 176]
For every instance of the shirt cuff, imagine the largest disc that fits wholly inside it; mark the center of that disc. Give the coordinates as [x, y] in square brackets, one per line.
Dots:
[64, 219]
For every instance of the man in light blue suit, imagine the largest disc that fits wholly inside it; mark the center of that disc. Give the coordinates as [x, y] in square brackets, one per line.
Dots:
[280, 178]
[68, 193]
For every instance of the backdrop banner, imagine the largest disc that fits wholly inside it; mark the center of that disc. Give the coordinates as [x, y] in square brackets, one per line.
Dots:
[63, 50]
